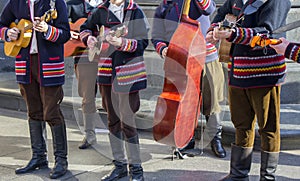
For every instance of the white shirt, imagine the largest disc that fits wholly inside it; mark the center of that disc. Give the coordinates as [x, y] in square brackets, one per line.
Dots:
[117, 10]
[94, 3]
[33, 47]
[244, 1]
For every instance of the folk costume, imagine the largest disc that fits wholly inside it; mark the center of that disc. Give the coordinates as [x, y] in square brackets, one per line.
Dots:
[254, 84]
[293, 52]
[166, 19]
[40, 74]
[121, 75]
[86, 74]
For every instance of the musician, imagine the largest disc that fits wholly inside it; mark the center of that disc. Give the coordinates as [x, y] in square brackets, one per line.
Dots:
[121, 75]
[254, 82]
[40, 75]
[288, 49]
[86, 73]
[166, 19]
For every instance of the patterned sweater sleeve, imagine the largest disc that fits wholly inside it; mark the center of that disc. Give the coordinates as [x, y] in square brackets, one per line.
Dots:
[59, 31]
[158, 31]
[293, 52]
[207, 7]
[265, 24]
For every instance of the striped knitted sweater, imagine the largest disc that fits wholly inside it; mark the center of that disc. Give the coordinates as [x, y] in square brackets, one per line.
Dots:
[258, 66]
[293, 52]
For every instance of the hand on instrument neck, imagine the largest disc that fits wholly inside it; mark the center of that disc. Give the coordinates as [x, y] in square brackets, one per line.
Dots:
[221, 33]
[280, 48]
[40, 25]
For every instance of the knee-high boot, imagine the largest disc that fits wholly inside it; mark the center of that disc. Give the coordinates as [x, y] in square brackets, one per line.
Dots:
[89, 120]
[268, 165]
[214, 131]
[240, 163]
[120, 164]
[37, 131]
[135, 164]
[60, 149]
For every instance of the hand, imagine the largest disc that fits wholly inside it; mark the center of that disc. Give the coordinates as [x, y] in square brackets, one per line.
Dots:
[221, 34]
[113, 40]
[281, 47]
[209, 38]
[13, 33]
[164, 52]
[91, 41]
[40, 26]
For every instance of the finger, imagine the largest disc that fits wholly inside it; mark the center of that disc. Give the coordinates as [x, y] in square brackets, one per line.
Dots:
[16, 30]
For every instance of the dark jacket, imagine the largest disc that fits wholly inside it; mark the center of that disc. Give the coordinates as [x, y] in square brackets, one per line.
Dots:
[166, 19]
[124, 66]
[78, 9]
[258, 66]
[50, 44]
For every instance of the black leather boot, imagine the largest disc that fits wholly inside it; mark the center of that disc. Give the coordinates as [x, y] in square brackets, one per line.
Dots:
[133, 153]
[216, 145]
[213, 131]
[136, 172]
[268, 165]
[60, 150]
[38, 146]
[120, 164]
[240, 163]
[119, 171]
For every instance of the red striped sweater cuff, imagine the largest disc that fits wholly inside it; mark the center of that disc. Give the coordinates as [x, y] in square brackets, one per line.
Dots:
[52, 33]
[128, 45]
[159, 47]
[293, 52]
[3, 33]
[204, 4]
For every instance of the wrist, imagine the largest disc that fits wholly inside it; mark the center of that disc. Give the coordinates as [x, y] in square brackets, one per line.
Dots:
[46, 28]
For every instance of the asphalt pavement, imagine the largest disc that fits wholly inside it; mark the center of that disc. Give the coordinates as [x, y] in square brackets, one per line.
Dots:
[91, 164]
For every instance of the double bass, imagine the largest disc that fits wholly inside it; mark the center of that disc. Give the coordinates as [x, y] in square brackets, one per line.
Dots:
[177, 109]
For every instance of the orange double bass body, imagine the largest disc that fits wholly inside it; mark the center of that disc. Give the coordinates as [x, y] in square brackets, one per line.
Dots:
[178, 106]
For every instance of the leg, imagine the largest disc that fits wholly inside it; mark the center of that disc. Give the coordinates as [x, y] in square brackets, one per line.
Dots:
[51, 98]
[38, 147]
[86, 73]
[267, 108]
[37, 127]
[243, 118]
[240, 163]
[115, 136]
[129, 105]
[135, 164]
[213, 123]
[213, 85]
[60, 149]
[268, 165]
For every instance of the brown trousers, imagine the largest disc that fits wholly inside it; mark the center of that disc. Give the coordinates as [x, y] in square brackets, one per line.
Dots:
[86, 74]
[121, 109]
[263, 104]
[212, 87]
[43, 103]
